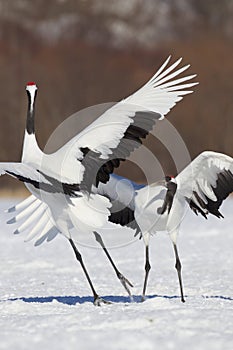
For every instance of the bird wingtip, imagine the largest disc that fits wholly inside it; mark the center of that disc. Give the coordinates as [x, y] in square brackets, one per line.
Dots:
[10, 210]
[11, 221]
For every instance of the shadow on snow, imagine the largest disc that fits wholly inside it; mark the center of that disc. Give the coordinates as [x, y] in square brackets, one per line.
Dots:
[217, 297]
[73, 300]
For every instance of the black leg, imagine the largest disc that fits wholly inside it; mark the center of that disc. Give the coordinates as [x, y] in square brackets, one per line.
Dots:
[124, 281]
[178, 268]
[147, 270]
[97, 299]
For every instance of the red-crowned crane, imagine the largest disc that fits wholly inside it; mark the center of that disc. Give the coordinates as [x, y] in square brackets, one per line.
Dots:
[65, 182]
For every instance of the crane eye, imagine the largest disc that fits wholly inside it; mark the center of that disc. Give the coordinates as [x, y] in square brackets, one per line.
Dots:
[168, 178]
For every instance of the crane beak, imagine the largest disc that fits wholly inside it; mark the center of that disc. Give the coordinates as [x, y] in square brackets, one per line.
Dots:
[159, 183]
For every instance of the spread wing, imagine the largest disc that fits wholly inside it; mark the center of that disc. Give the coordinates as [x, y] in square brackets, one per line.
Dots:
[24, 173]
[206, 182]
[31, 175]
[111, 138]
[32, 214]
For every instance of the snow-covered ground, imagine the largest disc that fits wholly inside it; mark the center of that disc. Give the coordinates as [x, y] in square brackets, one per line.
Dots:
[45, 302]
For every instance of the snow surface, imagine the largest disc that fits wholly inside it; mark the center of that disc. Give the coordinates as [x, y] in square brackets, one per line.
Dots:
[45, 302]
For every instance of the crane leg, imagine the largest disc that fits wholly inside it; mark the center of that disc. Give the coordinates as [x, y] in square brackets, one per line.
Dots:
[178, 268]
[147, 270]
[97, 299]
[124, 281]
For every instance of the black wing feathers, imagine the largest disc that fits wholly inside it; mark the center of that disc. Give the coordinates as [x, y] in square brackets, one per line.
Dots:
[54, 187]
[98, 169]
[224, 186]
[123, 216]
[61, 187]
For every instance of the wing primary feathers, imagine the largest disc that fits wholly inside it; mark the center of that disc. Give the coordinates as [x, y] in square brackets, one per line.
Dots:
[195, 208]
[20, 206]
[223, 187]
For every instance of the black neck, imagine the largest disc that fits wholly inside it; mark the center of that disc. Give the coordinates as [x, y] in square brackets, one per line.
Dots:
[31, 114]
[168, 201]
